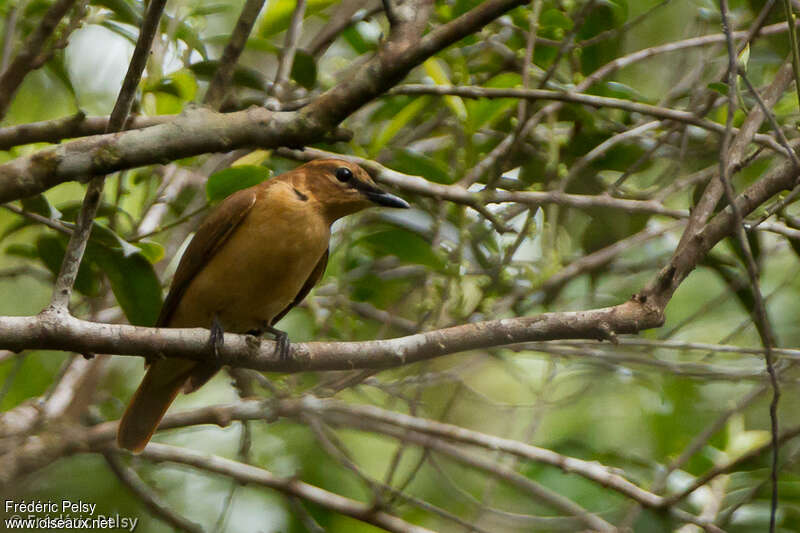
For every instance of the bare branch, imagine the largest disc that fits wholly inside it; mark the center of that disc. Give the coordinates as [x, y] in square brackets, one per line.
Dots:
[289, 49]
[230, 55]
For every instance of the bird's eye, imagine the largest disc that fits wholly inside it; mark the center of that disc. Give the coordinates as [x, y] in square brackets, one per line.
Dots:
[343, 174]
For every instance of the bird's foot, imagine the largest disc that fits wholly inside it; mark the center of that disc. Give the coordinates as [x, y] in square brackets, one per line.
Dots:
[281, 342]
[217, 338]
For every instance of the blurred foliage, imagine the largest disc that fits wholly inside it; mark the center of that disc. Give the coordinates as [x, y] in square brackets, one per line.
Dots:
[635, 409]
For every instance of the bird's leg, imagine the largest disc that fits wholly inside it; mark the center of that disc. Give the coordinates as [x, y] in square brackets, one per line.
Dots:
[281, 340]
[217, 338]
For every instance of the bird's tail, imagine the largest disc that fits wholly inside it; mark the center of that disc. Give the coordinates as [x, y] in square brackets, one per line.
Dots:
[163, 381]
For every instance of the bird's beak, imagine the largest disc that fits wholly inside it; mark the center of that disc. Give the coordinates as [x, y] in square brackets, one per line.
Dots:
[385, 199]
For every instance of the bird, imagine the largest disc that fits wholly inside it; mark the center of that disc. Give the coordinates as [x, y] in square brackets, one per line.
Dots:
[255, 257]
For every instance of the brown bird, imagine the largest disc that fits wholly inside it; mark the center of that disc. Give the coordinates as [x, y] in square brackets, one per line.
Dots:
[257, 255]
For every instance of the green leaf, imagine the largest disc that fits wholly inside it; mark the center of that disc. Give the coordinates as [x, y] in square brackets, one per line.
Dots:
[120, 29]
[435, 69]
[356, 40]
[415, 163]
[133, 282]
[187, 34]
[718, 86]
[304, 69]
[400, 120]
[211, 9]
[152, 250]
[41, 206]
[615, 89]
[406, 245]
[222, 184]
[124, 11]
[28, 251]
[277, 15]
[181, 84]
[70, 210]
[253, 43]
[130, 273]
[242, 76]
[58, 68]
[553, 18]
[51, 249]
[486, 110]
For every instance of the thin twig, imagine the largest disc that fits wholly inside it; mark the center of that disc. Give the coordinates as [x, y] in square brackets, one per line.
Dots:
[791, 24]
[230, 56]
[79, 239]
[288, 51]
[762, 319]
[145, 494]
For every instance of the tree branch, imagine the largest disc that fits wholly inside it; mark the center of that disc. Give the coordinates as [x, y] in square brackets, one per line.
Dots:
[63, 332]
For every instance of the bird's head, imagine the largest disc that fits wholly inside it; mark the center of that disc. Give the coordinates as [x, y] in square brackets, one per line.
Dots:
[341, 187]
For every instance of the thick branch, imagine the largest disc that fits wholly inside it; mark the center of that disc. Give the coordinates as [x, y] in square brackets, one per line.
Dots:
[686, 257]
[78, 125]
[59, 331]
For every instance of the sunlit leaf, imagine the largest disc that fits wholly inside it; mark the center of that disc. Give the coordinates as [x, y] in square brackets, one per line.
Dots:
[400, 121]
[278, 13]
[435, 69]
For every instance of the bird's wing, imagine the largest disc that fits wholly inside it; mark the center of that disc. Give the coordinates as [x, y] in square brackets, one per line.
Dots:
[210, 237]
[312, 280]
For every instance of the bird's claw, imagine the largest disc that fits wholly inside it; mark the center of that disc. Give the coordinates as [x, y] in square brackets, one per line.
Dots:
[282, 345]
[217, 338]
[281, 342]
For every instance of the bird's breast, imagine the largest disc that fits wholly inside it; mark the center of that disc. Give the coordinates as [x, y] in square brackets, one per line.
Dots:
[259, 270]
